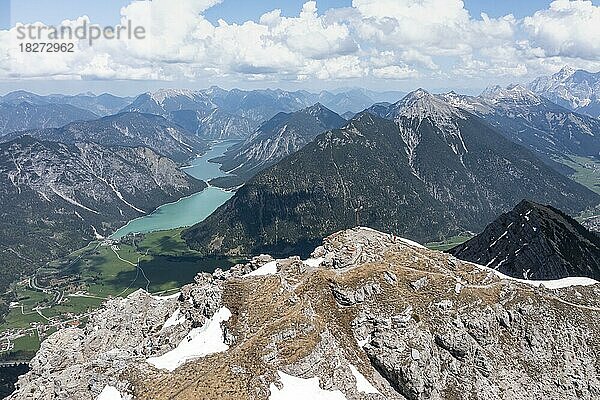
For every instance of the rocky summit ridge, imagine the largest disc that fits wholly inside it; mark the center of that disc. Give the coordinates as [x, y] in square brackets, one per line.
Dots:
[535, 241]
[368, 316]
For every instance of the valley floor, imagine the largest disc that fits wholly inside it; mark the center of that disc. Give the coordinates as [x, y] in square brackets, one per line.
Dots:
[587, 171]
[68, 291]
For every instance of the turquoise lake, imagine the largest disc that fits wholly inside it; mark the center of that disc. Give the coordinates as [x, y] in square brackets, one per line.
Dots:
[188, 210]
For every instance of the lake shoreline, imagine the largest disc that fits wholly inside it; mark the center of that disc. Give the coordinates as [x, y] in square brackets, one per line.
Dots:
[190, 209]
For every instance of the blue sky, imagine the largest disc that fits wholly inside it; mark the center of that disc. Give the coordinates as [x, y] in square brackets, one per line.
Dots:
[106, 12]
[4, 14]
[378, 44]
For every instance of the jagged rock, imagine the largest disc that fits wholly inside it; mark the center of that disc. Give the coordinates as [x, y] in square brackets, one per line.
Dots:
[419, 283]
[348, 297]
[534, 241]
[495, 339]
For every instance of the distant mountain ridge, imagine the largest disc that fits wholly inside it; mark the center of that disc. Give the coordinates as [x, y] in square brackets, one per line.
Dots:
[217, 113]
[535, 242]
[277, 138]
[576, 89]
[101, 105]
[549, 130]
[424, 171]
[24, 115]
[127, 129]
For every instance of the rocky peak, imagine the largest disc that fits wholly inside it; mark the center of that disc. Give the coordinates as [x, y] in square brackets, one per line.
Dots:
[368, 316]
[535, 241]
[469, 103]
[491, 91]
[317, 107]
[514, 93]
[159, 96]
[319, 111]
[578, 90]
[421, 104]
[565, 73]
[365, 124]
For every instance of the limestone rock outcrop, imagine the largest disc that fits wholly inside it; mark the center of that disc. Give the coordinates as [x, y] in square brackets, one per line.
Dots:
[369, 316]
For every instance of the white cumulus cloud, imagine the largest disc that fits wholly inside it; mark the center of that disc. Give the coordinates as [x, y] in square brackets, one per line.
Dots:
[374, 39]
[566, 28]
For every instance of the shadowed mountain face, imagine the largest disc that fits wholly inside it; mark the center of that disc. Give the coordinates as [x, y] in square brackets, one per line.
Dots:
[535, 242]
[127, 129]
[56, 197]
[277, 138]
[429, 171]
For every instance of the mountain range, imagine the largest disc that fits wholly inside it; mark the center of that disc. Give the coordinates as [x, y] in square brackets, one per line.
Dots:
[217, 113]
[56, 197]
[422, 168]
[549, 130]
[576, 89]
[277, 138]
[131, 129]
[101, 105]
[337, 186]
[23, 116]
[537, 242]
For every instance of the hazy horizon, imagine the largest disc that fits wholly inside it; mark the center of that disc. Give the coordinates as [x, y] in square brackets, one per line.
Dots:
[133, 92]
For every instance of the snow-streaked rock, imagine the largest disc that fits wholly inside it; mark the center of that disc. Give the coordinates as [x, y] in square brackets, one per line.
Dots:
[301, 389]
[200, 342]
[295, 335]
[109, 393]
[578, 90]
[362, 384]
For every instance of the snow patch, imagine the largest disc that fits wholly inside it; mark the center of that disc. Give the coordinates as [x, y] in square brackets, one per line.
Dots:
[549, 284]
[501, 236]
[200, 342]
[302, 389]
[171, 296]
[109, 393]
[314, 262]
[174, 319]
[553, 284]
[457, 288]
[269, 268]
[412, 243]
[362, 384]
